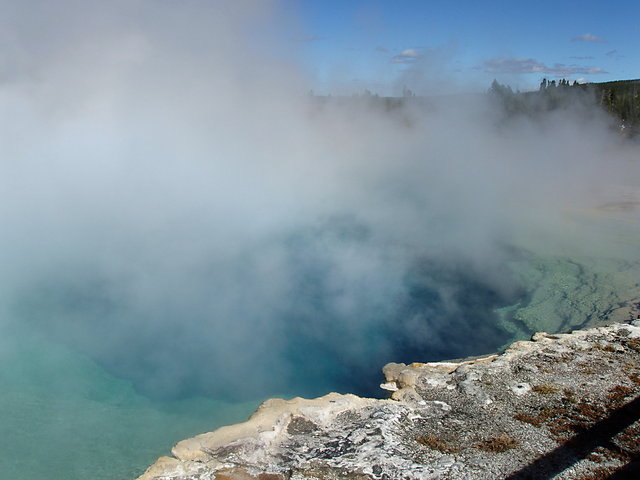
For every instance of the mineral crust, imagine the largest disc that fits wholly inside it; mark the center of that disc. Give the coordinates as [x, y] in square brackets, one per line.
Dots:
[563, 406]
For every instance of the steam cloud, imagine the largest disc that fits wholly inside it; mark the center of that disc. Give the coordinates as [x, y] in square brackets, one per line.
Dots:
[176, 207]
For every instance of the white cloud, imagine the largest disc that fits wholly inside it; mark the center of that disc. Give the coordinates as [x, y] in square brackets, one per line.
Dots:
[587, 37]
[530, 65]
[408, 55]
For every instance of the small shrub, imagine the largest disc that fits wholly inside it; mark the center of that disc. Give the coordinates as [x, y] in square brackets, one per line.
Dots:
[634, 344]
[589, 411]
[435, 443]
[629, 441]
[498, 444]
[605, 348]
[600, 473]
[545, 389]
[569, 396]
[563, 428]
[595, 457]
[536, 421]
[618, 393]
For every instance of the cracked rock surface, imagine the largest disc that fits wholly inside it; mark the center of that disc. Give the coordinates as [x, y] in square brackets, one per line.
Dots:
[560, 406]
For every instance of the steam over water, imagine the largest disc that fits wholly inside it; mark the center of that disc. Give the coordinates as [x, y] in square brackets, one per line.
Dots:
[186, 232]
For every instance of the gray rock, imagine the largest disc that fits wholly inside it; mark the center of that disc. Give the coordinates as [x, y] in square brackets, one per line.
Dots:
[485, 418]
[521, 388]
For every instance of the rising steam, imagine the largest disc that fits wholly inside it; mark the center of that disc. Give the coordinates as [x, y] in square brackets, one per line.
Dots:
[175, 206]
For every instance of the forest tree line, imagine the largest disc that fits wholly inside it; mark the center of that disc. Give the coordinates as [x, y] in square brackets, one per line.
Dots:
[620, 98]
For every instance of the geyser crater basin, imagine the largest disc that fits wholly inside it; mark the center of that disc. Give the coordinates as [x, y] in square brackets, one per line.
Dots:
[342, 307]
[328, 331]
[186, 232]
[446, 251]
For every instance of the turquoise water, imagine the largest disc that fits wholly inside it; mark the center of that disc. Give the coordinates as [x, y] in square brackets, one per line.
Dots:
[585, 274]
[64, 417]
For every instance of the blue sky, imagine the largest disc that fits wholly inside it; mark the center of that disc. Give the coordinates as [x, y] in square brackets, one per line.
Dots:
[381, 44]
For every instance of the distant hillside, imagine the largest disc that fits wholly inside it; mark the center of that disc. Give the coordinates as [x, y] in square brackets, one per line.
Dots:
[620, 98]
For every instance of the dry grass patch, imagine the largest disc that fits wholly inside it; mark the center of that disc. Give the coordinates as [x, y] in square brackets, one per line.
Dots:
[600, 473]
[589, 411]
[634, 344]
[535, 420]
[618, 394]
[545, 389]
[606, 348]
[435, 443]
[498, 444]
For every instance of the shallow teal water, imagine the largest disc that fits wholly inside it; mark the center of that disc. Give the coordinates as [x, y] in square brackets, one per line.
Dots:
[63, 417]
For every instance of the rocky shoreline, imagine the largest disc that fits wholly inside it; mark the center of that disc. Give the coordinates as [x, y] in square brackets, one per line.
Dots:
[563, 406]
